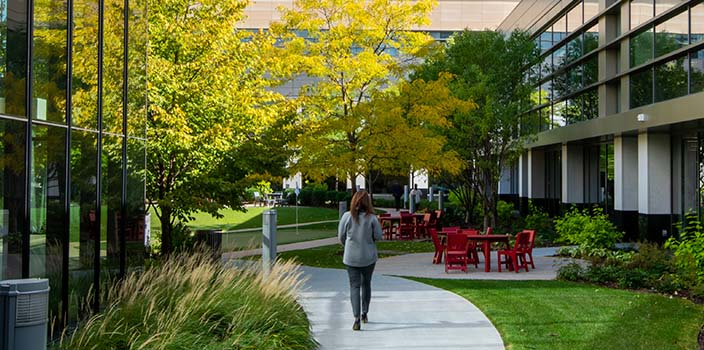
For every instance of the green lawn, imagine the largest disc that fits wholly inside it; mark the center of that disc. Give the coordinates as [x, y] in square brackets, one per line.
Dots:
[559, 315]
[250, 240]
[331, 256]
[252, 218]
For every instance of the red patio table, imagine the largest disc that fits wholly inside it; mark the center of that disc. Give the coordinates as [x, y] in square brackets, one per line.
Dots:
[486, 246]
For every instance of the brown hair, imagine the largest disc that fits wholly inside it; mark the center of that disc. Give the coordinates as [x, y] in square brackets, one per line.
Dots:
[361, 202]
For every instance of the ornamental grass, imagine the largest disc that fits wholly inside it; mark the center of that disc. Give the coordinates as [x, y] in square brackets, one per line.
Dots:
[192, 302]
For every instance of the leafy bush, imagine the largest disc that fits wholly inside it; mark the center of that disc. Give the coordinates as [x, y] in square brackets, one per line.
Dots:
[571, 272]
[192, 302]
[590, 232]
[539, 220]
[688, 248]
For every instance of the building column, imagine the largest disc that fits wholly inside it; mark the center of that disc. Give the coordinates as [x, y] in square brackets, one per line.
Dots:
[572, 175]
[654, 186]
[508, 181]
[626, 185]
[536, 177]
[523, 182]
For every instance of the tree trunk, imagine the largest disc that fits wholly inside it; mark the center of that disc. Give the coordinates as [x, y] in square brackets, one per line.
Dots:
[167, 245]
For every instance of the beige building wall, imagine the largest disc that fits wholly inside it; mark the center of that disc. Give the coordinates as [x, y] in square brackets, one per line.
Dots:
[449, 15]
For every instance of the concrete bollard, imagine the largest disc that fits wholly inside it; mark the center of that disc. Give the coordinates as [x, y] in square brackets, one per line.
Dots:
[268, 239]
[342, 208]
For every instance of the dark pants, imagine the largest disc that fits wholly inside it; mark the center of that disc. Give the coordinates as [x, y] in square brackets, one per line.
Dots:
[360, 278]
[397, 202]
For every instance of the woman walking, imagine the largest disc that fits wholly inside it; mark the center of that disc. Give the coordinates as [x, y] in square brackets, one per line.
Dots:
[358, 230]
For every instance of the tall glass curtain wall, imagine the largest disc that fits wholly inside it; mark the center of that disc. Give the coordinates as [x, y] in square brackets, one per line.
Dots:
[72, 145]
[665, 51]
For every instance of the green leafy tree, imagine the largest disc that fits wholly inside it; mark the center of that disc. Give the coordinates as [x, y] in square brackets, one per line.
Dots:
[488, 69]
[352, 52]
[209, 102]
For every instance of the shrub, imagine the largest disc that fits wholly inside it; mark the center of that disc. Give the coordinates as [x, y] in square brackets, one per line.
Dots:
[688, 248]
[539, 220]
[571, 272]
[192, 302]
[588, 231]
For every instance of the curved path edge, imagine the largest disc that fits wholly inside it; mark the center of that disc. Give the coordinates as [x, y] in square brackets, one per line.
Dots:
[404, 314]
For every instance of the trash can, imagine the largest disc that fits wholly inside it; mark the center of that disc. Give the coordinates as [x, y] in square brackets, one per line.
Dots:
[24, 313]
[212, 239]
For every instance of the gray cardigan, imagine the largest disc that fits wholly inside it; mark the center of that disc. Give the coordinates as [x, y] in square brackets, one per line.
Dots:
[358, 239]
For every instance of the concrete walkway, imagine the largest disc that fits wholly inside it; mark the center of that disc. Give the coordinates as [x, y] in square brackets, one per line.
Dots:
[403, 315]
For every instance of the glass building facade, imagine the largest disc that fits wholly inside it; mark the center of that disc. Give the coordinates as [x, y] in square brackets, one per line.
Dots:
[72, 145]
[618, 110]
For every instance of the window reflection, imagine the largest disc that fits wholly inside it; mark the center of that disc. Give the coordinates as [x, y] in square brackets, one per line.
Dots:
[559, 29]
[590, 104]
[12, 177]
[591, 70]
[85, 64]
[641, 48]
[671, 79]
[697, 23]
[13, 57]
[111, 199]
[137, 73]
[135, 225]
[672, 34]
[642, 88]
[558, 58]
[83, 237]
[664, 5]
[47, 213]
[49, 61]
[113, 66]
[641, 11]
[591, 9]
[546, 92]
[591, 39]
[574, 18]
[558, 115]
[696, 64]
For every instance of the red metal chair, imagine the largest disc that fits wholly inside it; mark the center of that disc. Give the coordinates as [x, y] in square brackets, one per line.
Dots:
[529, 251]
[456, 252]
[406, 227]
[387, 226]
[450, 229]
[423, 226]
[472, 255]
[439, 247]
[515, 257]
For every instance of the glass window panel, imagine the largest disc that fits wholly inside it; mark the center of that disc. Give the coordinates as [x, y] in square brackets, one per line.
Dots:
[573, 110]
[558, 115]
[137, 73]
[559, 29]
[696, 64]
[574, 75]
[83, 237]
[558, 58]
[546, 66]
[561, 85]
[135, 225]
[574, 49]
[591, 9]
[641, 88]
[111, 199]
[672, 34]
[574, 18]
[49, 61]
[545, 40]
[641, 48]
[590, 104]
[697, 23]
[664, 5]
[84, 103]
[12, 201]
[113, 57]
[591, 70]
[591, 39]
[47, 209]
[13, 57]
[544, 115]
[671, 79]
[546, 92]
[641, 11]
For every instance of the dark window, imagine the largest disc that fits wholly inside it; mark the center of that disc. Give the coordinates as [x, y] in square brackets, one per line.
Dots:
[671, 79]
[111, 199]
[590, 104]
[671, 34]
[696, 64]
[642, 88]
[12, 177]
[49, 62]
[135, 225]
[591, 70]
[641, 48]
[13, 57]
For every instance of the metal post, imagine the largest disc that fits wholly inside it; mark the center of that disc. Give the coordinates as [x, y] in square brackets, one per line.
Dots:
[412, 204]
[430, 193]
[342, 208]
[268, 239]
[440, 195]
[405, 196]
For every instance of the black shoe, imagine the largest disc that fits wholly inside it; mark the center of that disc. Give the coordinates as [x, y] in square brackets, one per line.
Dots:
[364, 318]
[355, 326]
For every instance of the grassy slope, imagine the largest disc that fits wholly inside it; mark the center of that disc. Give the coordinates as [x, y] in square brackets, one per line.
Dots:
[331, 256]
[562, 315]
